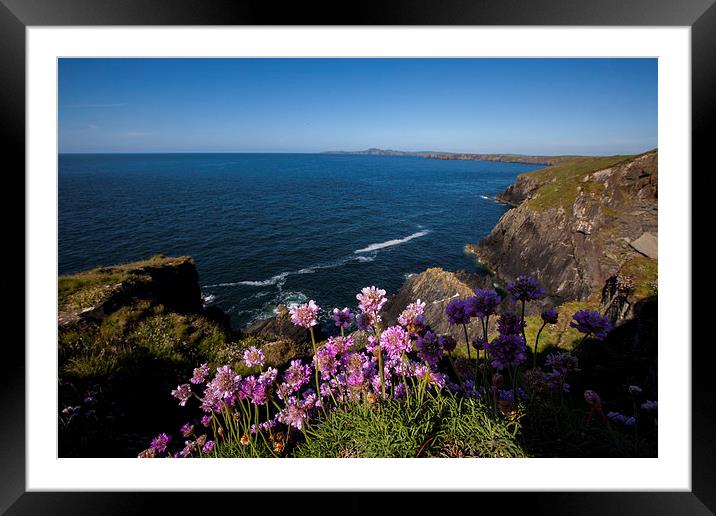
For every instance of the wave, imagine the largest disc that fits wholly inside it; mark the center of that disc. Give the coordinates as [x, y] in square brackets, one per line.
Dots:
[280, 279]
[391, 243]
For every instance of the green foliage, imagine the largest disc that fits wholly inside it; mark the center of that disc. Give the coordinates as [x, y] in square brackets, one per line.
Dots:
[439, 426]
[561, 183]
[644, 272]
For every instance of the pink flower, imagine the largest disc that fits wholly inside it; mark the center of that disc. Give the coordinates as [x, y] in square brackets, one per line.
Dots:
[182, 393]
[305, 315]
[371, 300]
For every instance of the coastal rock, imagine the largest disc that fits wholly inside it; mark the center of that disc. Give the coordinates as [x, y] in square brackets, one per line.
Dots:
[436, 287]
[647, 244]
[573, 224]
[172, 282]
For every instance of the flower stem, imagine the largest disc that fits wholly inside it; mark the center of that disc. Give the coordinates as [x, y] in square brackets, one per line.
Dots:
[534, 366]
[467, 342]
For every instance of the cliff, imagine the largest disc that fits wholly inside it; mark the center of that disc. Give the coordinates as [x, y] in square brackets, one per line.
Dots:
[160, 280]
[506, 158]
[580, 227]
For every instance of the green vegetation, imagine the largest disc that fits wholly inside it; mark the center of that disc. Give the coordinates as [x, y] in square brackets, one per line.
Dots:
[442, 426]
[561, 182]
[644, 273]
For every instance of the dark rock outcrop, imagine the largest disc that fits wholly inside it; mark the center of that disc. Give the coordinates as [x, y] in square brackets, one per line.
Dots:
[572, 229]
[172, 282]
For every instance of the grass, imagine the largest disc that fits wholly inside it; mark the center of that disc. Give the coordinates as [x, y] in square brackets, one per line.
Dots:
[87, 288]
[561, 183]
[442, 426]
[644, 272]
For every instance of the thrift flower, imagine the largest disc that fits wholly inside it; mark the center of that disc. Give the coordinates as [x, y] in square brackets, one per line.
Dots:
[483, 304]
[371, 300]
[182, 393]
[507, 351]
[159, 443]
[305, 315]
[200, 374]
[394, 340]
[550, 315]
[254, 357]
[342, 318]
[411, 313]
[187, 429]
[591, 322]
[509, 323]
[208, 447]
[526, 288]
[456, 312]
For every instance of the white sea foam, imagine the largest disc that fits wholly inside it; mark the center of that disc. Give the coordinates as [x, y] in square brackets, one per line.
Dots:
[486, 197]
[280, 279]
[209, 298]
[391, 243]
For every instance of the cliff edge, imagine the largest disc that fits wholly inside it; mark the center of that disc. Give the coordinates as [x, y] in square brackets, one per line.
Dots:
[580, 227]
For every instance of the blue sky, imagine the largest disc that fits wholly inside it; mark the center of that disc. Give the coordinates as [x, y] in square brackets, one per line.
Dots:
[527, 106]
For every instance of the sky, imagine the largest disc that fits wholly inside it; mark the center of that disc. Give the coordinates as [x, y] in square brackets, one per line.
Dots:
[524, 106]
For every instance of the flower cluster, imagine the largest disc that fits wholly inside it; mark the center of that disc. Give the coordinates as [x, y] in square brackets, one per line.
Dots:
[342, 318]
[483, 304]
[399, 361]
[591, 322]
[526, 288]
[457, 312]
[305, 315]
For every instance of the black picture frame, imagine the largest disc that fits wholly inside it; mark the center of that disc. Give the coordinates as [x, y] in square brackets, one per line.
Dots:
[17, 15]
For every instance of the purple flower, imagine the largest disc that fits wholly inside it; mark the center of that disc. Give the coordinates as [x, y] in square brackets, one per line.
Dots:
[182, 393]
[364, 321]
[208, 447]
[506, 351]
[294, 414]
[159, 443]
[429, 348]
[224, 383]
[447, 343]
[206, 420]
[254, 357]
[483, 304]
[305, 315]
[591, 322]
[456, 312]
[327, 359]
[509, 323]
[525, 288]
[550, 315]
[394, 340]
[371, 300]
[411, 313]
[297, 375]
[187, 429]
[342, 318]
[478, 342]
[200, 374]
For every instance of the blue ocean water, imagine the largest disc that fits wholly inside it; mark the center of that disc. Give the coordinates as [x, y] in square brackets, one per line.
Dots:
[266, 229]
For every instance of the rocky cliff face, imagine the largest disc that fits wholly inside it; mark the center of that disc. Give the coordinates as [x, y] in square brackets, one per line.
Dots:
[171, 282]
[578, 224]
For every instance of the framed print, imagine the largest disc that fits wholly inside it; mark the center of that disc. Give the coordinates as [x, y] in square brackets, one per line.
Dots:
[296, 249]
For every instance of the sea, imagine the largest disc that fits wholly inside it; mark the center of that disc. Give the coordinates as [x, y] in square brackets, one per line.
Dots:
[270, 229]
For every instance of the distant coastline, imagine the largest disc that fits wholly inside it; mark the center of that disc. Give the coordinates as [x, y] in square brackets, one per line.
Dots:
[505, 158]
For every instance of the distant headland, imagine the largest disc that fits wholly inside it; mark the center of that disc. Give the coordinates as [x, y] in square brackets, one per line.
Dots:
[507, 158]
